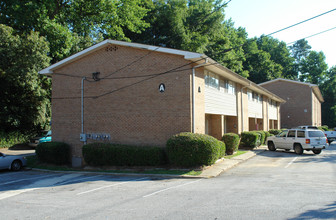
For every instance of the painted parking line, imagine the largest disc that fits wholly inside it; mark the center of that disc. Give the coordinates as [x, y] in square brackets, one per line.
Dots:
[169, 188]
[290, 163]
[104, 187]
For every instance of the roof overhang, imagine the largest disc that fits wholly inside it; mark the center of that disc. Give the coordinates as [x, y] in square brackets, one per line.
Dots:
[187, 55]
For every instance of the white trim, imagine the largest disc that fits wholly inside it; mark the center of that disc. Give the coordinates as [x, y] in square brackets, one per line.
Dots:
[186, 54]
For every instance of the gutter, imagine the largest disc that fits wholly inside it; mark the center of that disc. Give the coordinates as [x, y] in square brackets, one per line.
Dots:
[193, 93]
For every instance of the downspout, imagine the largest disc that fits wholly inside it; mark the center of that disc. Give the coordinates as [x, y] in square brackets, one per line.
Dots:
[242, 109]
[193, 93]
[82, 107]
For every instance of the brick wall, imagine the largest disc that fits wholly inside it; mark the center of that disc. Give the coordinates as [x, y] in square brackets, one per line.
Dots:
[298, 107]
[132, 110]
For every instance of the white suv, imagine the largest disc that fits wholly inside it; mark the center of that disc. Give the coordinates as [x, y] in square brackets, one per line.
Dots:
[298, 140]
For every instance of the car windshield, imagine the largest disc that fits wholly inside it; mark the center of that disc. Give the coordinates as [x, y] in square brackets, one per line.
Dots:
[316, 134]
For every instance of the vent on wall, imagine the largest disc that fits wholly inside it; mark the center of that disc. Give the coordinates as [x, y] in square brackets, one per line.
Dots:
[111, 48]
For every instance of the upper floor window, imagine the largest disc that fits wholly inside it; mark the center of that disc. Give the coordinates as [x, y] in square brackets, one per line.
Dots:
[231, 88]
[211, 80]
[249, 95]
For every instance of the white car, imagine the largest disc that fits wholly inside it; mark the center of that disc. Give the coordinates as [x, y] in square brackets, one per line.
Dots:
[298, 140]
[12, 162]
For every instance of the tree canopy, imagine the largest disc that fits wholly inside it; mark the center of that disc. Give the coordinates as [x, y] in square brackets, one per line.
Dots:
[52, 30]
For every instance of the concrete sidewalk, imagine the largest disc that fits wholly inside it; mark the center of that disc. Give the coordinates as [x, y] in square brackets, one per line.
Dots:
[225, 164]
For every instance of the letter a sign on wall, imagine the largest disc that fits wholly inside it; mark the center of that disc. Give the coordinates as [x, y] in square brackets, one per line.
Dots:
[162, 87]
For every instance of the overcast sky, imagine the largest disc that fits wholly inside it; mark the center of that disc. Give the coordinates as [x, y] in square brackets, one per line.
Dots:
[266, 16]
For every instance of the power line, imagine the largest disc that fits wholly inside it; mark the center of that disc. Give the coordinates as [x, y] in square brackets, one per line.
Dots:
[313, 35]
[301, 22]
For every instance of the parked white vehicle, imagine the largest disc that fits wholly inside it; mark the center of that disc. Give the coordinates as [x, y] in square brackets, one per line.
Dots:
[331, 135]
[298, 140]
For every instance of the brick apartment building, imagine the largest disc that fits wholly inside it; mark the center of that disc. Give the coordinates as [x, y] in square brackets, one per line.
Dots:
[303, 102]
[139, 94]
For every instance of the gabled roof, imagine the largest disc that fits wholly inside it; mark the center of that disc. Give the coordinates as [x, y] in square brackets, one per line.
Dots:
[197, 58]
[186, 54]
[314, 87]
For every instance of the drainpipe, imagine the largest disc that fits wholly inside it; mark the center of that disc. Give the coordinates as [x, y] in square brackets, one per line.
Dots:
[193, 93]
[242, 109]
[82, 107]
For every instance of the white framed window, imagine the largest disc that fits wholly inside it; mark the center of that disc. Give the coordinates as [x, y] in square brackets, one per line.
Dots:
[211, 80]
[231, 88]
[249, 95]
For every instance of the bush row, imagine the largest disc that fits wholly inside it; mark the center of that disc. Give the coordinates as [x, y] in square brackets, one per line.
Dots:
[98, 154]
[184, 149]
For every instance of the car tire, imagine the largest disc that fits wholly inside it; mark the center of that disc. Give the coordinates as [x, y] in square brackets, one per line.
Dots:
[298, 149]
[317, 151]
[16, 165]
[271, 146]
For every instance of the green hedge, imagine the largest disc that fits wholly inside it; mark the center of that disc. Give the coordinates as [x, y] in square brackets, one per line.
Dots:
[275, 131]
[250, 139]
[54, 152]
[324, 128]
[12, 138]
[188, 149]
[100, 154]
[231, 141]
[262, 136]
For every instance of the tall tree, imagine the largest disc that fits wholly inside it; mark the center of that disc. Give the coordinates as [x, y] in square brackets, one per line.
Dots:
[314, 68]
[280, 54]
[259, 64]
[71, 25]
[328, 90]
[24, 103]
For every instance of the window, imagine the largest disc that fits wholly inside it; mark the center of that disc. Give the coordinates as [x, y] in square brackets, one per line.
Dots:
[211, 80]
[316, 134]
[283, 134]
[249, 94]
[300, 134]
[231, 88]
[291, 133]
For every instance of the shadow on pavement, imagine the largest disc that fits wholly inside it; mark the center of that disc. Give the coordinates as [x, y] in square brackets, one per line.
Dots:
[328, 212]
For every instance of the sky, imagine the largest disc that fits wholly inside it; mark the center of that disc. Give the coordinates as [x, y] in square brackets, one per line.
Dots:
[266, 16]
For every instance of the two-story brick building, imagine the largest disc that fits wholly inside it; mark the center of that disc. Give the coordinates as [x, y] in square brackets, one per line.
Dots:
[142, 95]
[303, 102]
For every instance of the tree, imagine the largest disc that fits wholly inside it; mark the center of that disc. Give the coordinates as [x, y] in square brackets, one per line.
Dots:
[313, 68]
[328, 90]
[24, 103]
[259, 64]
[280, 54]
[72, 25]
[182, 24]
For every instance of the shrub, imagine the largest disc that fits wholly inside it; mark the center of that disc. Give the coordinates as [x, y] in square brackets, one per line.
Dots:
[275, 131]
[54, 152]
[12, 138]
[262, 136]
[267, 134]
[100, 154]
[231, 141]
[188, 149]
[324, 128]
[250, 139]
